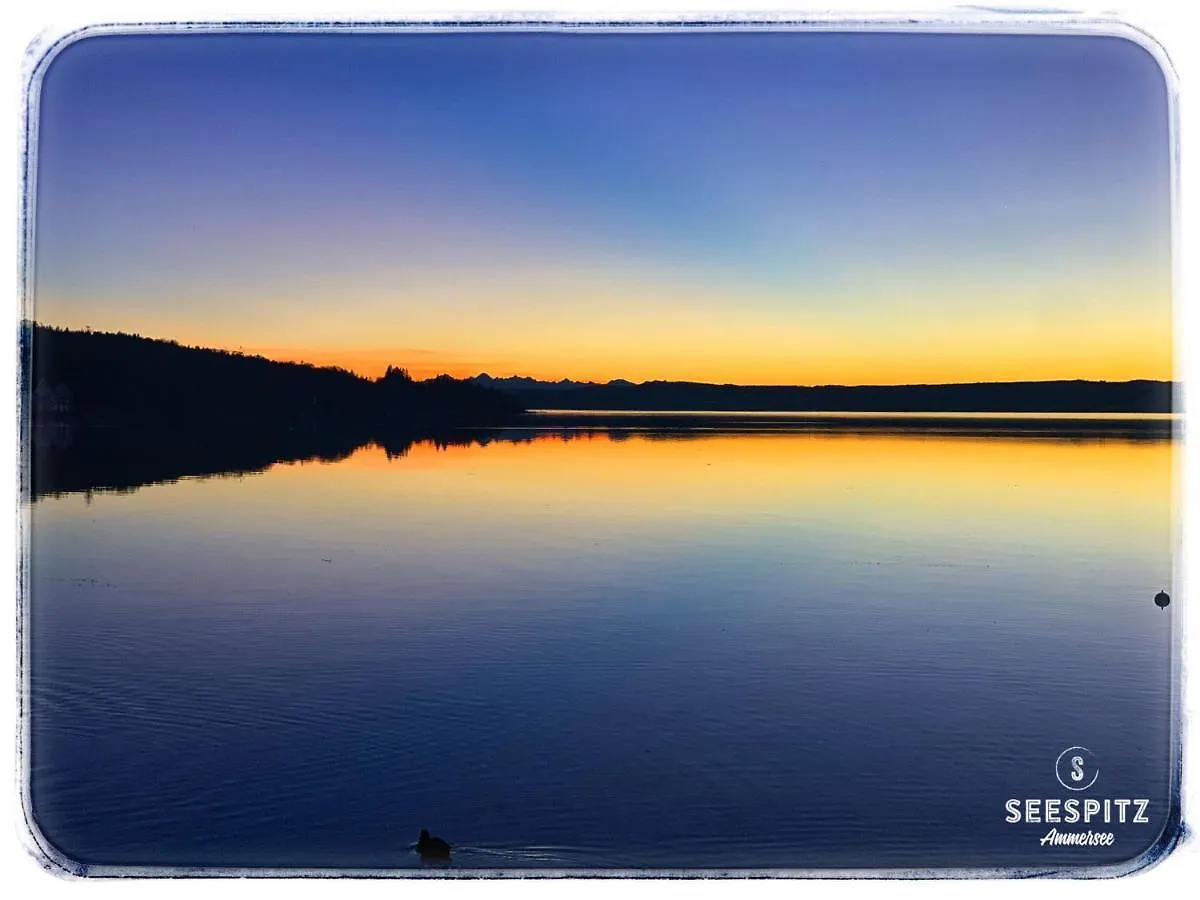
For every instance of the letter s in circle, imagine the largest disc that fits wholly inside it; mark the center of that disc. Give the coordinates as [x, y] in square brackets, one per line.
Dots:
[1077, 768]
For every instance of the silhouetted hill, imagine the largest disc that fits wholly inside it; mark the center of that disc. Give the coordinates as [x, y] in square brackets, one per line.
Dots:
[1000, 397]
[105, 379]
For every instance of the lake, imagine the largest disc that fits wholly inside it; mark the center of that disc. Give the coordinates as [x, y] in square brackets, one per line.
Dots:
[609, 647]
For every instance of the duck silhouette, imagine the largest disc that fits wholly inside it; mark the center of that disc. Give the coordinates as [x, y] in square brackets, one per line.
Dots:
[432, 848]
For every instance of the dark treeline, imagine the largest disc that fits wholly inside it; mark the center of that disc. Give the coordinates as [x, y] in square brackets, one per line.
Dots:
[104, 379]
[999, 397]
[97, 378]
[115, 411]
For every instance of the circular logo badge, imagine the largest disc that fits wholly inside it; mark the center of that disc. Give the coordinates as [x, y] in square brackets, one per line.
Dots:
[1076, 768]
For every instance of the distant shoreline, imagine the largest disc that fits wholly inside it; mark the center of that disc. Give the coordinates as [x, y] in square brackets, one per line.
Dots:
[111, 379]
[1062, 426]
[1140, 397]
[861, 414]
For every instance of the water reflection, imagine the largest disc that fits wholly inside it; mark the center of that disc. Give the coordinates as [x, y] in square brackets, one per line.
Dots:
[65, 459]
[606, 647]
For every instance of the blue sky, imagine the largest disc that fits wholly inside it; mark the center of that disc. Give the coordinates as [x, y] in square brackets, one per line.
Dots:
[774, 207]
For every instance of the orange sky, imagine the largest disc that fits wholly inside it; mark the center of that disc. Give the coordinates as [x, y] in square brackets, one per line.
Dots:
[1000, 346]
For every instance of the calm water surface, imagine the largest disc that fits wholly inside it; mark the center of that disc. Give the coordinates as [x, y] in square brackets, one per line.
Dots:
[621, 650]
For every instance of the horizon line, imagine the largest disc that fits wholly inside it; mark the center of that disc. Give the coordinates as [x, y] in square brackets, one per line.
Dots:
[583, 382]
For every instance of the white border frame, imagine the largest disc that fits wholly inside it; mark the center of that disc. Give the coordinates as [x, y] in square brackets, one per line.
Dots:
[43, 50]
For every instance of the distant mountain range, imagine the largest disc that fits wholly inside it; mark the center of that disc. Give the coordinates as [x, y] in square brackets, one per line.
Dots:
[1078, 396]
[518, 383]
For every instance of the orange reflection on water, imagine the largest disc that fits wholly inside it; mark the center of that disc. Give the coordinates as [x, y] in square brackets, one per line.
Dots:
[910, 473]
[535, 490]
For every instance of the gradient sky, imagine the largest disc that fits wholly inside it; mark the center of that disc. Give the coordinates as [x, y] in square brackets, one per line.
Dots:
[750, 208]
